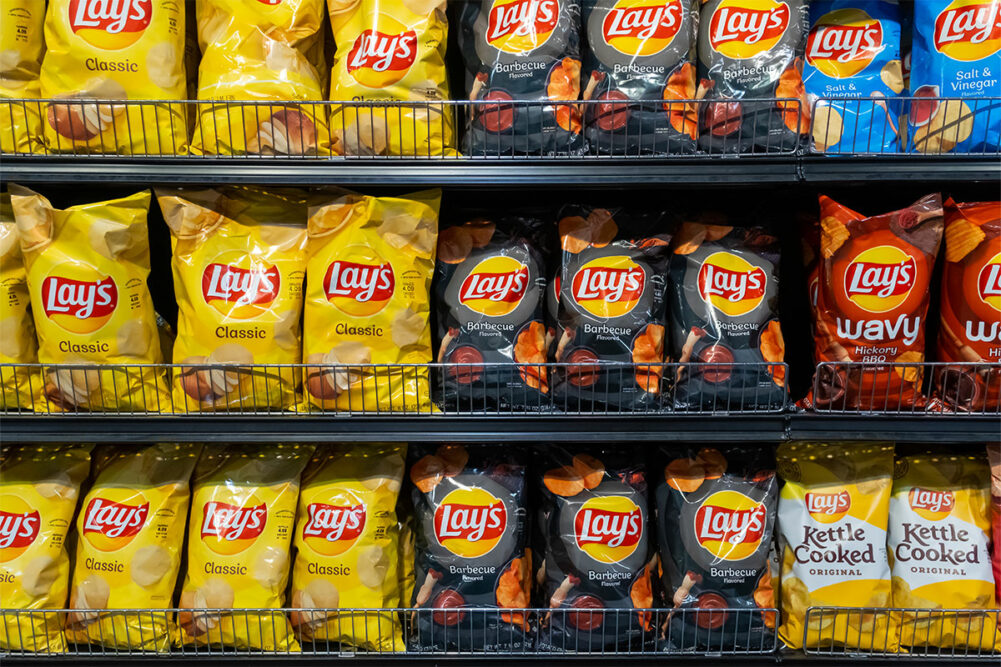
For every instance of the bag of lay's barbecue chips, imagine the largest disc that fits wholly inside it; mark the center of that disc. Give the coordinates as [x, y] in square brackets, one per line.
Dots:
[833, 513]
[348, 548]
[939, 545]
[39, 488]
[21, 49]
[955, 80]
[87, 268]
[130, 50]
[260, 52]
[390, 51]
[872, 305]
[368, 283]
[130, 529]
[20, 388]
[239, 265]
[853, 68]
[239, 536]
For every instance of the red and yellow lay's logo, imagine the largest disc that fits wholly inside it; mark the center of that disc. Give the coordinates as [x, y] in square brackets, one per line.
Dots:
[608, 286]
[470, 522]
[380, 58]
[731, 284]
[729, 525]
[19, 526]
[79, 305]
[521, 26]
[642, 27]
[608, 528]
[880, 279]
[743, 29]
[931, 505]
[110, 24]
[229, 529]
[360, 283]
[332, 529]
[238, 292]
[844, 42]
[969, 30]
[495, 286]
[828, 507]
[989, 282]
[110, 524]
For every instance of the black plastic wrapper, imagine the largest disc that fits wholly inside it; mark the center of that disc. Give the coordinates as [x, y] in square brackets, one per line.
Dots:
[748, 54]
[490, 288]
[525, 50]
[596, 558]
[639, 50]
[715, 514]
[612, 305]
[470, 548]
[724, 311]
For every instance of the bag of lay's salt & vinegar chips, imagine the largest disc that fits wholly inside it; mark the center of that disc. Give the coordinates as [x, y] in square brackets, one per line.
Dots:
[21, 49]
[39, 488]
[833, 514]
[239, 536]
[368, 284]
[20, 388]
[348, 547]
[939, 544]
[87, 268]
[126, 50]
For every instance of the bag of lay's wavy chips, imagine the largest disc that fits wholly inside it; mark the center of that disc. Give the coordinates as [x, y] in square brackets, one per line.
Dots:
[368, 282]
[939, 546]
[239, 264]
[39, 488]
[87, 267]
[853, 68]
[127, 50]
[348, 547]
[130, 529]
[20, 388]
[833, 513]
[21, 49]
[239, 535]
[391, 50]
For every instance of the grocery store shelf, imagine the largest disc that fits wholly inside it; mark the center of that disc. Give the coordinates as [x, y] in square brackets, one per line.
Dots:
[966, 169]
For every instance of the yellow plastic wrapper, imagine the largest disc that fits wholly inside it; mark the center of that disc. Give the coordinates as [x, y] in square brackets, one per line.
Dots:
[130, 528]
[21, 48]
[368, 282]
[128, 50]
[390, 50]
[261, 52]
[39, 487]
[833, 513]
[348, 549]
[87, 267]
[239, 265]
[20, 388]
[239, 536]
[939, 544]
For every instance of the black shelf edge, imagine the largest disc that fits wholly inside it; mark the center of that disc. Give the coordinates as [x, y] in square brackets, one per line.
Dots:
[819, 168]
[903, 427]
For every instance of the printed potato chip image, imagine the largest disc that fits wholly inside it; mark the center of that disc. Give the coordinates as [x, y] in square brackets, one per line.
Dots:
[21, 48]
[20, 388]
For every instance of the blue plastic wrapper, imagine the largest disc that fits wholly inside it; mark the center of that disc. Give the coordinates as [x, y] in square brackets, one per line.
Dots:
[854, 75]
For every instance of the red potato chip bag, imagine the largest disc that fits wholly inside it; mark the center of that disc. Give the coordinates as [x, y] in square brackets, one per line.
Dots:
[994, 459]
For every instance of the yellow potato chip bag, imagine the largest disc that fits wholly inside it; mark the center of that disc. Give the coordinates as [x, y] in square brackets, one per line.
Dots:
[39, 488]
[833, 518]
[123, 50]
[347, 543]
[129, 534]
[20, 388]
[21, 48]
[239, 536]
[390, 50]
[939, 545]
[368, 280]
[87, 267]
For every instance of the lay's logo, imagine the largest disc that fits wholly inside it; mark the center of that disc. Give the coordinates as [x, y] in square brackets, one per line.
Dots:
[731, 284]
[18, 529]
[969, 30]
[608, 286]
[109, 525]
[729, 525]
[880, 279]
[521, 26]
[229, 529]
[333, 529]
[642, 27]
[239, 292]
[378, 59]
[79, 306]
[844, 42]
[469, 522]
[828, 507]
[931, 505]
[989, 282]
[110, 24]
[495, 286]
[608, 528]
[359, 288]
[742, 29]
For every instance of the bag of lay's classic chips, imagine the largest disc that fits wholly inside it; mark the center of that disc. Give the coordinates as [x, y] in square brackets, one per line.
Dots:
[239, 264]
[21, 49]
[955, 80]
[939, 545]
[20, 388]
[239, 536]
[390, 50]
[853, 68]
[368, 282]
[833, 513]
[87, 267]
[348, 547]
[129, 50]
[39, 488]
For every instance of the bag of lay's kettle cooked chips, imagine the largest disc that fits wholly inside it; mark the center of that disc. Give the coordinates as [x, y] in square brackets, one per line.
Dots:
[348, 547]
[129, 534]
[20, 388]
[127, 50]
[368, 282]
[239, 536]
[87, 267]
[939, 545]
[39, 487]
[21, 49]
[833, 514]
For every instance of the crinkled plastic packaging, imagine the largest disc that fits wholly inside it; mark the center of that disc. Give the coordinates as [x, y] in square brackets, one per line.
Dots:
[21, 48]
[20, 388]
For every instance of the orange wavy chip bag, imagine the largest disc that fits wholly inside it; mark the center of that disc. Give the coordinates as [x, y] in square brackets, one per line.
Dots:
[21, 48]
